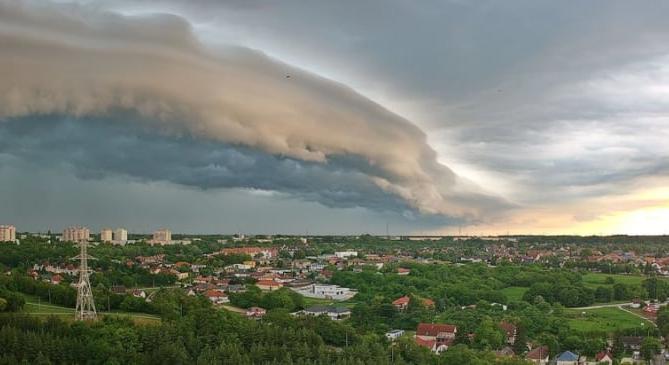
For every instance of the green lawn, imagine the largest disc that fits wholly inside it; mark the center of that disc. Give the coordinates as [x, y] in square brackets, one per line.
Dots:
[35, 308]
[603, 319]
[514, 293]
[593, 280]
[40, 308]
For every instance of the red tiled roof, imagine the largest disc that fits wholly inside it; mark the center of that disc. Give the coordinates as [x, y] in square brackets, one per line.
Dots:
[268, 283]
[507, 327]
[602, 354]
[538, 353]
[431, 329]
[425, 343]
[215, 293]
[401, 301]
[428, 302]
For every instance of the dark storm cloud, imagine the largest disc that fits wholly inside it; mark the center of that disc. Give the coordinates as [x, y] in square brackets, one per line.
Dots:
[77, 60]
[519, 89]
[99, 148]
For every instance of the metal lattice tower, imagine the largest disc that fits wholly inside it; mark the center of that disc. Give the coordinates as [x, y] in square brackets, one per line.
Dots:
[85, 306]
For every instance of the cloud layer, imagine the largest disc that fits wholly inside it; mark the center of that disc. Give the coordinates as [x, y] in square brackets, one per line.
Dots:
[75, 60]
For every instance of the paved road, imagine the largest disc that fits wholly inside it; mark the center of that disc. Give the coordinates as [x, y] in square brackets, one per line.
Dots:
[604, 306]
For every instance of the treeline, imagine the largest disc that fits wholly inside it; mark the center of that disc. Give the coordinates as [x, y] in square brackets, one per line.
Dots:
[283, 298]
[208, 336]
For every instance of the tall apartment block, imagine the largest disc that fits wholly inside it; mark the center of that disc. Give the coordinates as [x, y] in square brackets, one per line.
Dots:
[106, 235]
[162, 237]
[76, 234]
[7, 233]
[120, 236]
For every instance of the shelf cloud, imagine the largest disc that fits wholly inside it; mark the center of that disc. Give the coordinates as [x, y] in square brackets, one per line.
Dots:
[75, 61]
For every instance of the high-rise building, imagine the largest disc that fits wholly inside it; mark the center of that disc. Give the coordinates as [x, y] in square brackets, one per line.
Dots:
[162, 237]
[76, 234]
[106, 235]
[7, 233]
[120, 236]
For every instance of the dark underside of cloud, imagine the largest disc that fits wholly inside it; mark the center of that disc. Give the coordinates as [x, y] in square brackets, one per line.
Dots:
[96, 148]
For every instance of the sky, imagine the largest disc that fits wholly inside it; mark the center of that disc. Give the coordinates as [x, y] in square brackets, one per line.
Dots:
[346, 117]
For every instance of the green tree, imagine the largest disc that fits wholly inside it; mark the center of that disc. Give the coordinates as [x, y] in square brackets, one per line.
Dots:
[488, 336]
[650, 346]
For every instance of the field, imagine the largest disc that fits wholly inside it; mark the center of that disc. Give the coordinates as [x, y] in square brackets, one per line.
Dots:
[514, 293]
[593, 280]
[604, 319]
[35, 307]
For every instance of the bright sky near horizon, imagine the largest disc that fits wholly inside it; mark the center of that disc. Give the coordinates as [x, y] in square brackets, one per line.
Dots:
[259, 116]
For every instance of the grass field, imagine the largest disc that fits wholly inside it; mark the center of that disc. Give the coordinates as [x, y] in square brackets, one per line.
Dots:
[35, 307]
[604, 319]
[514, 293]
[593, 280]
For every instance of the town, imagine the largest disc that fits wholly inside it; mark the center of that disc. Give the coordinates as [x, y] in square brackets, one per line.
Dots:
[385, 299]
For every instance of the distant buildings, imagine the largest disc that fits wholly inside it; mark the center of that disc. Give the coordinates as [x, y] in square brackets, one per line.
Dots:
[162, 237]
[106, 235]
[346, 254]
[7, 233]
[264, 252]
[76, 234]
[120, 236]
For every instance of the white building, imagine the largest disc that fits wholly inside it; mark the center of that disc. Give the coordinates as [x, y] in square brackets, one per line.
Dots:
[346, 254]
[120, 236]
[334, 292]
[394, 334]
[106, 235]
[76, 234]
[7, 233]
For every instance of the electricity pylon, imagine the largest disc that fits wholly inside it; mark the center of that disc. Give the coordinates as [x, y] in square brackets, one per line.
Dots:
[85, 306]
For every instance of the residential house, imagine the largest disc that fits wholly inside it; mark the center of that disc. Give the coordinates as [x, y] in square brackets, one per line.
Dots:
[139, 293]
[178, 274]
[403, 272]
[217, 296]
[255, 312]
[56, 279]
[506, 351]
[436, 337]
[394, 334]
[510, 331]
[401, 303]
[268, 285]
[631, 343]
[604, 357]
[538, 355]
[567, 358]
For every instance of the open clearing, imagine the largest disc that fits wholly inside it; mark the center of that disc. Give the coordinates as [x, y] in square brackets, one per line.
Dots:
[514, 293]
[35, 307]
[604, 319]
